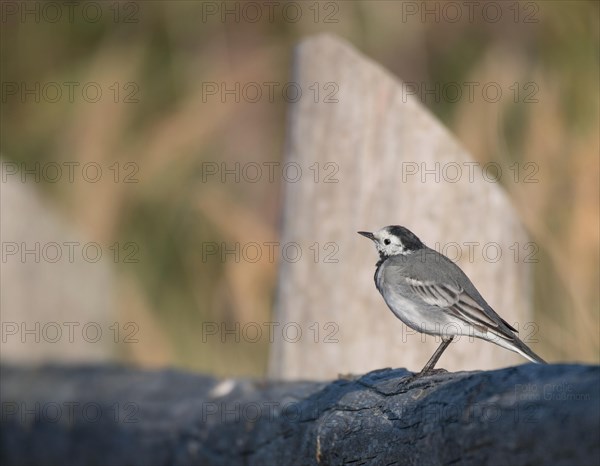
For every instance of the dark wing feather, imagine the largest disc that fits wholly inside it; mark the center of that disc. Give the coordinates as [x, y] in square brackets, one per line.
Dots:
[457, 301]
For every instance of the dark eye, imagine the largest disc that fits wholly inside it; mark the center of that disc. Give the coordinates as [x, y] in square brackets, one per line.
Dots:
[386, 241]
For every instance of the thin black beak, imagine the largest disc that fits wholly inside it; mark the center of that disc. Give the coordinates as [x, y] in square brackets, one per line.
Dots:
[367, 234]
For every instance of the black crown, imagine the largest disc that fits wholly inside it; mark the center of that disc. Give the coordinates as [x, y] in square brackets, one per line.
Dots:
[410, 241]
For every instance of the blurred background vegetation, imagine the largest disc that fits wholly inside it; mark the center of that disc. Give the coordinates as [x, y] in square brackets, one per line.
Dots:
[170, 130]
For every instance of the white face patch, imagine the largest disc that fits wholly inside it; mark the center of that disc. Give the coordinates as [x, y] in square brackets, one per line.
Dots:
[388, 244]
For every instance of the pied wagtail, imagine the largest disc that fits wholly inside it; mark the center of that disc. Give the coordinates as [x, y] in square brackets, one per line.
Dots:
[431, 294]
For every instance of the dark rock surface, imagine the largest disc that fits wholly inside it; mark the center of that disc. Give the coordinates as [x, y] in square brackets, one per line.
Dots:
[530, 414]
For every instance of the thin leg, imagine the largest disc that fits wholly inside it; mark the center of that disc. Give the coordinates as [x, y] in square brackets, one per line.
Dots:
[438, 352]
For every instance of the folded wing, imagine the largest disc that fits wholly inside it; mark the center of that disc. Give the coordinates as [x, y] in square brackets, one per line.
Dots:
[452, 298]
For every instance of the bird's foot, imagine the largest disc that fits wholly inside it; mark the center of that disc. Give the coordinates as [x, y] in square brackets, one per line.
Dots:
[431, 372]
[412, 377]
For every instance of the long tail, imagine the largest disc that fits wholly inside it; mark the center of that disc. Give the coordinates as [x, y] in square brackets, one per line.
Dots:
[510, 341]
[519, 347]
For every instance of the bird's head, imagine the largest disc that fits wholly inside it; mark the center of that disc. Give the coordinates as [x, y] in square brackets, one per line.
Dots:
[393, 240]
